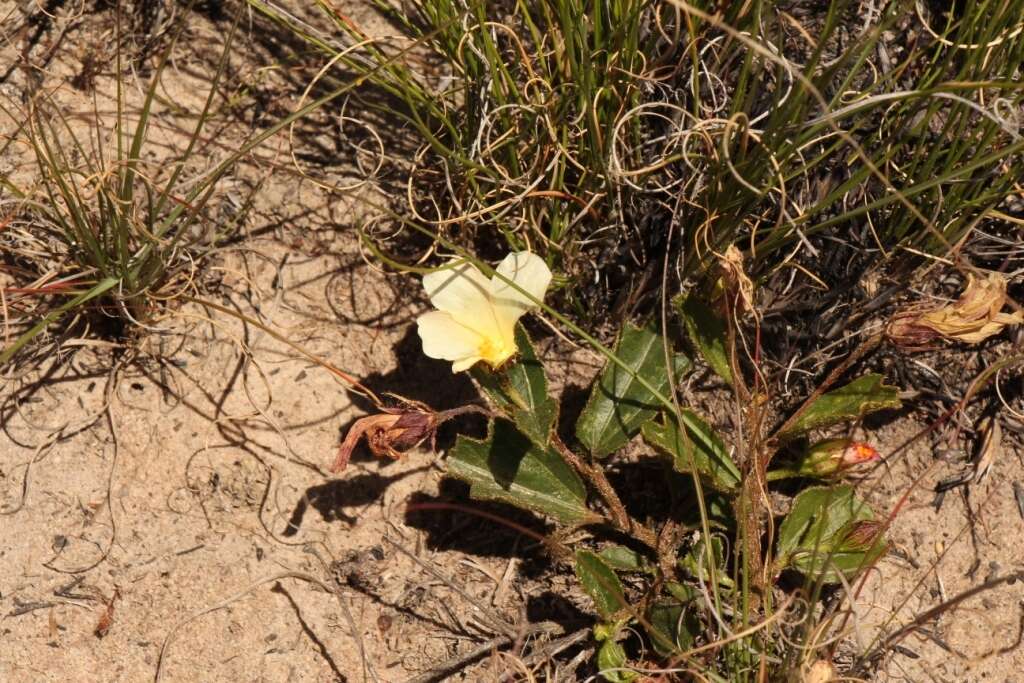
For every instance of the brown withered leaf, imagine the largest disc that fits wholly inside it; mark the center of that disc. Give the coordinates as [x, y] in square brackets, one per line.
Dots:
[974, 317]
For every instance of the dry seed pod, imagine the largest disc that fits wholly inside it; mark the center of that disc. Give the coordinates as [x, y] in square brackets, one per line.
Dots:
[821, 671]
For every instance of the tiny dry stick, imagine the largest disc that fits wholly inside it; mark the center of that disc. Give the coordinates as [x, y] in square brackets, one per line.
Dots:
[549, 650]
[494, 620]
[301, 576]
[930, 614]
[442, 671]
[448, 667]
[356, 385]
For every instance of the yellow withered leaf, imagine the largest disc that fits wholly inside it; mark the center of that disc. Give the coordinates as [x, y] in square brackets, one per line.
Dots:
[991, 448]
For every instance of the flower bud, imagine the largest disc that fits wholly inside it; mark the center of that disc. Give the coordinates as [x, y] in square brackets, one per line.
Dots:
[906, 331]
[861, 535]
[835, 456]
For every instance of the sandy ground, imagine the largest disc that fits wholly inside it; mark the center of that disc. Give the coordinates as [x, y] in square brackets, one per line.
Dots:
[168, 513]
[944, 547]
[169, 516]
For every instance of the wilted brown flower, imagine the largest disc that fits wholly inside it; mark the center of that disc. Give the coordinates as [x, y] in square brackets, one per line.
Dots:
[394, 431]
[905, 330]
[974, 317]
[390, 433]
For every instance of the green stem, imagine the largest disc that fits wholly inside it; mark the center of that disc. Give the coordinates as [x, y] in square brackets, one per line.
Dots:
[784, 473]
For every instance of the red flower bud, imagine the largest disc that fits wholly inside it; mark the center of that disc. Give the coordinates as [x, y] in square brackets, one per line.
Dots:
[861, 535]
[835, 456]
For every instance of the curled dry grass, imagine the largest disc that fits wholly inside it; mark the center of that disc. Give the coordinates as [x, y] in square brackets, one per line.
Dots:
[589, 132]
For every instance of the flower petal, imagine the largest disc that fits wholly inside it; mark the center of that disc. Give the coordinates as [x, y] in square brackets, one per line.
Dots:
[464, 364]
[528, 271]
[461, 290]
[446, 339]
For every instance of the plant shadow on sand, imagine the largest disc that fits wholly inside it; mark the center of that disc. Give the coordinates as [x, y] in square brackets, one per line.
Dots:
[414, 378]
[419, 378]
[331, 498]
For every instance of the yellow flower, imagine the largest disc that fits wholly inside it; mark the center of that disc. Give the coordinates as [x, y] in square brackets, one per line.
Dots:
[476, 317]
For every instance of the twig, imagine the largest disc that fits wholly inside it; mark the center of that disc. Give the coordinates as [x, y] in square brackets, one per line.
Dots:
[934, 612]
[109, 393]
[310, 633]
[550, 649]
[443, 670]
[495, 621]
[26, 607]
[301, 576]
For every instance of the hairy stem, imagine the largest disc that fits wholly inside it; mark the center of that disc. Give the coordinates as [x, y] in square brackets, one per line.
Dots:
[596, 476]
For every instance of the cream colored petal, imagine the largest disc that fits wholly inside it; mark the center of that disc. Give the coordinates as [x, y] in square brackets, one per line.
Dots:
[464, 364]
[529, 272]
[461, 290]
[446, 339]
[977, 334]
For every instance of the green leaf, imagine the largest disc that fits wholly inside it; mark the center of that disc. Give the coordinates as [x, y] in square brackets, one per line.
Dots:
[600, 583]
[817, 513]
[624, 559]
[520, 390]
[701, 444]
[671, 626]
[815, 537]
[695, 562]
[708, 333]
[680, 591]
[611, 662]
[858, 398]
[841, 559]
[508, 467]
[619, 404]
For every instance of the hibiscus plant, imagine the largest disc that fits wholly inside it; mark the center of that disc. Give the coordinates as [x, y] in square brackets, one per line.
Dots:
[673, 591]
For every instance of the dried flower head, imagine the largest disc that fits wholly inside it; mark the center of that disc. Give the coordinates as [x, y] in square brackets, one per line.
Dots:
[389, 433]
[974, 317]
